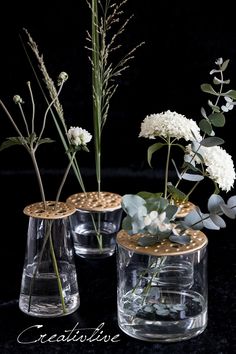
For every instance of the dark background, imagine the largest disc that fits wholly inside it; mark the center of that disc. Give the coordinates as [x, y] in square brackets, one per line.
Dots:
[182, 42]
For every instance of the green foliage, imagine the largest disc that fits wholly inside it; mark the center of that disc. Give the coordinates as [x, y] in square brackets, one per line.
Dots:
[153, 148]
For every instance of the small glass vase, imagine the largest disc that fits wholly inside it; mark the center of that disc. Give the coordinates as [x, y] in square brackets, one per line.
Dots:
[162, 289]
[49, 285]
[95, 223]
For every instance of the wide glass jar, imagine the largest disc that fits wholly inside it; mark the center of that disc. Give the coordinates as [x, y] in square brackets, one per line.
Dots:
[49, 285]
[162, 289]
[95, 223]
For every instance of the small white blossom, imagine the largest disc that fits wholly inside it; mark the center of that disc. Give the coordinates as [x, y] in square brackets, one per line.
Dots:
[17, 99]
[156, 220]
[170, 124]
[229, 104]
[219, 61]
[78, 136]
[63, 76]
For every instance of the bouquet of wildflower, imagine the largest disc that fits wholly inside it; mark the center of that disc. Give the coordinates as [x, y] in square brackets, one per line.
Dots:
[28, 137]
[157, 215]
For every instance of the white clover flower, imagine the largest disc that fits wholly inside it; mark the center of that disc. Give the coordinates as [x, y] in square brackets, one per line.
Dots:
[220, 166]
[229, 104]
[170, 124]
[78, 136]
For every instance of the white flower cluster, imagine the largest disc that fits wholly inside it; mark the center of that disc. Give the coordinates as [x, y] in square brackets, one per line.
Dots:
[170, 124]
[220, 166]
[156, 220]
[78, 136]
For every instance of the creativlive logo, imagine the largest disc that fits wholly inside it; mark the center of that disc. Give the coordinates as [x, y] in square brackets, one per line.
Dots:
[36, 334]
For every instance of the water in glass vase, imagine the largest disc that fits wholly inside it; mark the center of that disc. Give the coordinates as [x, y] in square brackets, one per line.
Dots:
[89, 243]
[33, 300]
[166, 316]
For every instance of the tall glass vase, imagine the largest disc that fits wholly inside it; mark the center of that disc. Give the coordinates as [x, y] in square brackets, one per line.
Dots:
[162, 289]
[49, 285]
[95, 223]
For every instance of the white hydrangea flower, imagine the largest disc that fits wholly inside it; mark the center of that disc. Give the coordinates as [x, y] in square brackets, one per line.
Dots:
[220, 166]
[79, 136]
[170, 124]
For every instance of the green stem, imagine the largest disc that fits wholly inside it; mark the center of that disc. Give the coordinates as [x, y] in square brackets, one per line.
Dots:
[64, 178]
[191, 190]
[38, 264]
[97, 91]
[32, 154]
[167, 166]
[54, 261]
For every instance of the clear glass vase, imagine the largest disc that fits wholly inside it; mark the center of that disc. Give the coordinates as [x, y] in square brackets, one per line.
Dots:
[95, 223]
[49, 285]
[162, 289]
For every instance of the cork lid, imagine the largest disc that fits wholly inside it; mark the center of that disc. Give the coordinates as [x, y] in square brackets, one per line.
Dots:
[184, 208]
[53, 210]
[164, 248]
[94, 201]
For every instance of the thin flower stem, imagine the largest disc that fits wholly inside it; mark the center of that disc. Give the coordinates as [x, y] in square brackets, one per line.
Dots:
[24, 119]
[46, 112]
[13, 123]
[191, 190]
[48, 231]
[32, 154]
[33, 106]
[55, 266]
[64, 178]
[167, 166]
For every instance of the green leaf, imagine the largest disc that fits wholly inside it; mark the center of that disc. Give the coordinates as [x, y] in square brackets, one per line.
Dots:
[227, 211]
[224, 65]
[147, 241]
[127, 223]
[214, 108]
[217, 119]
[190, 166]
[153, 148]
[131, 204]
[217, 220]
[176, 193]
[192, 177]
[45, 141]
[230, 93]
[148, 195]
[205, 126]
[208, 89]
[194, 219]
[212, 141]
[182, 240]
[11, 142]
[214, 203]
[171, 210]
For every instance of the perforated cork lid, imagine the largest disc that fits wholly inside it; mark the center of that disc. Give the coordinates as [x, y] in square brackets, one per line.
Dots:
[184, 208]
[164, 248]
[53, 210]
[94, 201]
